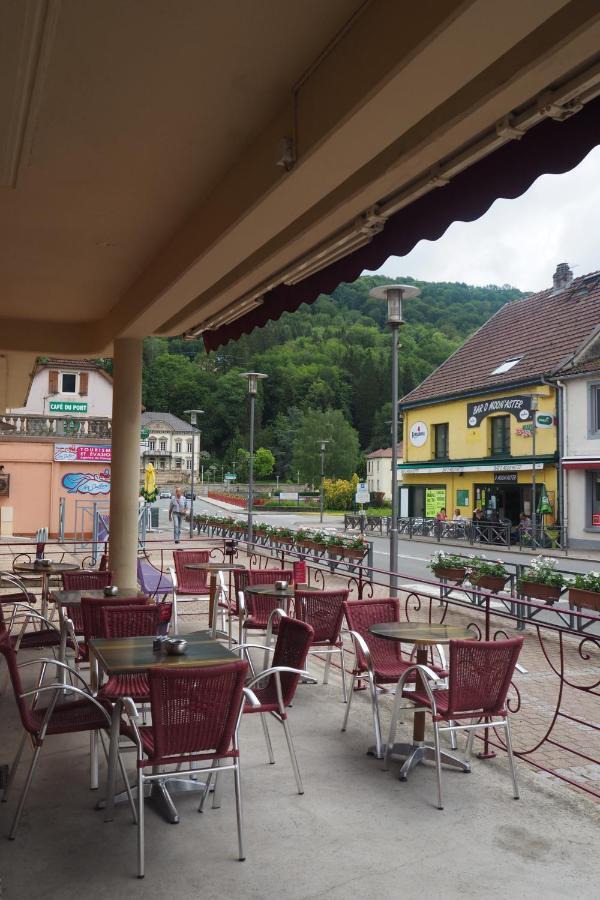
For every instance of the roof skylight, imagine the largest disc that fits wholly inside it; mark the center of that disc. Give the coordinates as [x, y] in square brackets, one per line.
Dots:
[507, 365]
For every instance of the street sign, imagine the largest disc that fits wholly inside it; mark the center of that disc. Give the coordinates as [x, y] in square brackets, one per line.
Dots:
[145, 434]
[362, 492]
[229, 476]
[288, 495]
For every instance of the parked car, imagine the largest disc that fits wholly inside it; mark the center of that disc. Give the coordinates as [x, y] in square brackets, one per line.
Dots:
[164, 495]
[188, 495]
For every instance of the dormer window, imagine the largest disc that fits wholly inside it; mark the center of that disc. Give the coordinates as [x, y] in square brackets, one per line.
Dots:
[68, 383]
[507, 365]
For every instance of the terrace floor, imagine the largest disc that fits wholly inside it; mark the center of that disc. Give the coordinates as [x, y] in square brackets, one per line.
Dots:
[356, 830]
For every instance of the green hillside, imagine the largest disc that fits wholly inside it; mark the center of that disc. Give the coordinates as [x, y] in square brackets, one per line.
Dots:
[331, 356]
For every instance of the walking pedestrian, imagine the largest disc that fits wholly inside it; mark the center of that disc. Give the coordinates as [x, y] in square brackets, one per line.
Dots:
[177, 510]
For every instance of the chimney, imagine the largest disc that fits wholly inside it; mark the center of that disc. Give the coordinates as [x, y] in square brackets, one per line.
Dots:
[562, 278]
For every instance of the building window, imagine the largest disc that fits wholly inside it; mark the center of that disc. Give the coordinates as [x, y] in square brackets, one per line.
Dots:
[594, 519]
[68, 383]
[188, 465]
[441, 441]
[594, 410]
[500, 426]
[152, 444]
[163, 446]
[162, 463]
[177, 463]
[177, 446]
[189, 446]
[507, 365]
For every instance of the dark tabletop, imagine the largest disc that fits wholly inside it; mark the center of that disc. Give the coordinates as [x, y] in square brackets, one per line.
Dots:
[214, 567]
[53, 569]
[421, 632]
[125, 656]
[73, 598]
[271, 590]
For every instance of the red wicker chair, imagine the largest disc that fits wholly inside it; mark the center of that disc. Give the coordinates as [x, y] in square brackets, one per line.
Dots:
[324, 612]
[84, 581]
[258, 607]
[275, 687]
[91, 614]
[380, 662]
[479, 679]
[80, 713]
[195, 718]
[188, 583]
[122, 621]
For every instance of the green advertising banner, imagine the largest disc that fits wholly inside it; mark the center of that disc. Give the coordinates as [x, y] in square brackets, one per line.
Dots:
[435, 499]
[67, 406]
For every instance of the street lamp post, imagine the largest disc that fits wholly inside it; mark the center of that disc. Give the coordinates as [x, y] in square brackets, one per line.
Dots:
[193, 414]
[534, 409]
[394, 294]
[253, 379]
[323, 447]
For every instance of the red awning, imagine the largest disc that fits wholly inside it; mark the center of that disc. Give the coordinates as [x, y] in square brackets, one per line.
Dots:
[551, 147]
[581, 464]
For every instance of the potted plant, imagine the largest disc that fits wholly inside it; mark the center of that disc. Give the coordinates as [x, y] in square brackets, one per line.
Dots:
[585, 591]
[260, 529]
[482, 573]
[282, 536]
[355, 548]
[336, 545]
[449, 566]
[304, 538]
[542, 580]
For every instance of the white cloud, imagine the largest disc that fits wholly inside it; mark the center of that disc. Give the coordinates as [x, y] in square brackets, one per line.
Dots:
[518, 241]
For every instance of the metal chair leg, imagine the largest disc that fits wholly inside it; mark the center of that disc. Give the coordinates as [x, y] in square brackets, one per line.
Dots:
[326, 672]
[238, 811]
[140, 823]
[290, 743]
[93, 760]
[207, 784]
[453, 744]
[470, 740]
[14, 767]
[511, 759]
[216, 801]
[392, 733]
[438, 763]
[376, 720]
[175, 614]
[24, 793]
[343, 667]
[263, 719]
[349, 702]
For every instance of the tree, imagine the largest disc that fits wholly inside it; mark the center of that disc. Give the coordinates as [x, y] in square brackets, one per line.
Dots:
[264, 462]
[341, 453]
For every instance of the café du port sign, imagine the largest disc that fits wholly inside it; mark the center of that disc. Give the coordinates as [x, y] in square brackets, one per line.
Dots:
[518, 406]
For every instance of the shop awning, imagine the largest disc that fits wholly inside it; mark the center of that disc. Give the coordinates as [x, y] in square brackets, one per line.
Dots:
[579, 462]
[516, 464]
[550, 147]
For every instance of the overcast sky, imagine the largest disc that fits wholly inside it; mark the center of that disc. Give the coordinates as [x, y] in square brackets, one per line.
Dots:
[520, 241]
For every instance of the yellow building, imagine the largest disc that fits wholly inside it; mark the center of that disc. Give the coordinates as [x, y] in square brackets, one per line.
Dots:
[470, 438]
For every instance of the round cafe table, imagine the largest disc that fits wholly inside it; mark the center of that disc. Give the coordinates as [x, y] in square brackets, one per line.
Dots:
[213, 569]
[45, 573]
[423, 635]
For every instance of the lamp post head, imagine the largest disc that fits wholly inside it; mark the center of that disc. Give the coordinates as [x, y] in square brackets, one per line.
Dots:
[193, 414]
[535, 402]
[394, 294]
[253, 379]
[323, 445]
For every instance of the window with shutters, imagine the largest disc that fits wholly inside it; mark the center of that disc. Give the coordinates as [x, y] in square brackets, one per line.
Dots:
[68, 383]
[53, 382]
[83, 383]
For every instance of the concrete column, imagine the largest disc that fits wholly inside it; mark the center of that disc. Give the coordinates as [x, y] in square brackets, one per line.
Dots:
[125, 467]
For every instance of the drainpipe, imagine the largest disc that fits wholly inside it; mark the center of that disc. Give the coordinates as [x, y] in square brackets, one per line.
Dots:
[561, 440]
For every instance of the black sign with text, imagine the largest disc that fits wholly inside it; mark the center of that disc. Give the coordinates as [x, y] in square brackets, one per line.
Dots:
[519, 407]
[505, 477]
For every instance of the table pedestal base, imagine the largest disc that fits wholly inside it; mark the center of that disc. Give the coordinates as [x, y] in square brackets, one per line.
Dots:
[158, 793]
[413, 754]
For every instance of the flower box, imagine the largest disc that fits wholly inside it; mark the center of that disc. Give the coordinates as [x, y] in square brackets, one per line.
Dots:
[354, 554]
[492, 583]
[587, 599]
[452, 573]
[539, 591]
[310, 545]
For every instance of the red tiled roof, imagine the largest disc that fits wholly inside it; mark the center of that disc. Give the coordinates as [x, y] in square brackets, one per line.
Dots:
[546, 329]
[386, 452]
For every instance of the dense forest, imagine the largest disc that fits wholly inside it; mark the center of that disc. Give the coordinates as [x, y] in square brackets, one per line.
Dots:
[328, 367]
